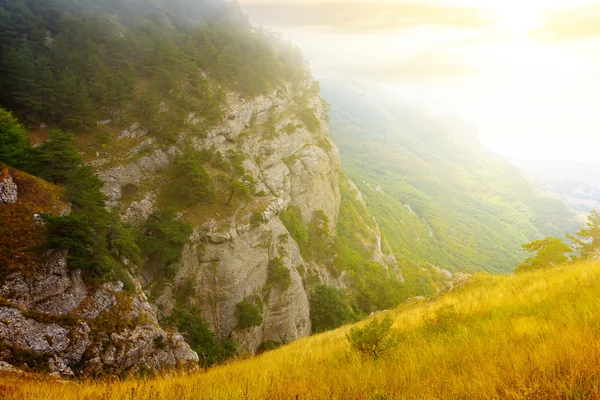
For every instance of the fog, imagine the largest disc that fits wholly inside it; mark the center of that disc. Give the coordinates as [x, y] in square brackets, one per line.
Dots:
[525, 74]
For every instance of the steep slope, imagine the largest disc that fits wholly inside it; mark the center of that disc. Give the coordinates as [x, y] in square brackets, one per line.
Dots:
[52, 320]
[528, 336]
[439, 196]
[194, 119]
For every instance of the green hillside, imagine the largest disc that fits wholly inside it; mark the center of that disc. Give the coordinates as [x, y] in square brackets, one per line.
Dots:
[437, 194]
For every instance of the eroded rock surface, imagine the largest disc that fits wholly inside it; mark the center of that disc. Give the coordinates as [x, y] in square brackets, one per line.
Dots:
[8, 189]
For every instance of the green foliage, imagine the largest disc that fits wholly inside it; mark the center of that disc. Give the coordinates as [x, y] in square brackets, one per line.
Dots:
[586, 242]
[256, 219]
[96, 241]
[292, 220]
[549, 252]
[279, 276]
[269, 345]
[319, 239]
[329, 309]
[98, 52]
[309, 119]
[190, 184]
[375, 339]
[438, 196]
[373, 287]
[201, 339]
[162, 240]
[75, 234]
[13, 140]
[57, 159]
[248, 315]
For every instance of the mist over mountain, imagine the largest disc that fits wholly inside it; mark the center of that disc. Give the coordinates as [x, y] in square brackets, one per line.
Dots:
[438, 194]
[180, 196]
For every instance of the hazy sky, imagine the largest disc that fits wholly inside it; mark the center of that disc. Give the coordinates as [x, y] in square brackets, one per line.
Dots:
[525, 72]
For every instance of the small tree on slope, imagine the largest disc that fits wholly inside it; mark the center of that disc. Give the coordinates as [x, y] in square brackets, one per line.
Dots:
[586, 242]
[549, 252]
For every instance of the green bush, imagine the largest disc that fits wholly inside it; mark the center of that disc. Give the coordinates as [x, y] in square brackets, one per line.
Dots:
[268, 345]
[257, 219]
[13, 140]
[189, 184]
[292, 220]
[248, 315]
[374, 339]
[200, 338]
[279, 275]
[329, 309]
[56, 159]
[309, 119]
[162, 240]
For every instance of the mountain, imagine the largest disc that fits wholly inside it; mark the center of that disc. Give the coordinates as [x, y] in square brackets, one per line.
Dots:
[497, 337]
[438, 195]
[577, 184]
[203, 212]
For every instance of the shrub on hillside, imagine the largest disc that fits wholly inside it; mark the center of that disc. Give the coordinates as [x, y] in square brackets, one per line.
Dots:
[328, 309]
[162, 240]
[375, 339]
[13, 140]
[190, 183]
[248, 315]
[279, 275]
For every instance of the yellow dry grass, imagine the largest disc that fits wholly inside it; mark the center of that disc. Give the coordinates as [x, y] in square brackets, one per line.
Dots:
[531, 336]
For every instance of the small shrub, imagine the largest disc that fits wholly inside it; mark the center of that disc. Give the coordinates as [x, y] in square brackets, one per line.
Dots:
[445, 320]
[374, 339]
[248, 315]
[309, 119]
[268, 345]
[162, 240]
[328, 309]
[257, 219]
[292, 220]
[279, 275]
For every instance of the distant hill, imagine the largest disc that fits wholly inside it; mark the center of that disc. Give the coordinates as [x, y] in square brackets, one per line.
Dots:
[576, 183]
[438, 195]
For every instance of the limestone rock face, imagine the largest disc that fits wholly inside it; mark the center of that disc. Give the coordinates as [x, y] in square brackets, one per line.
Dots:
[8, 189]
[75, 329]
[292, 164]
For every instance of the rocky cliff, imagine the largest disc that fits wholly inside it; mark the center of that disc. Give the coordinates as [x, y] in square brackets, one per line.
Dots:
[51, 320]
[228, 258]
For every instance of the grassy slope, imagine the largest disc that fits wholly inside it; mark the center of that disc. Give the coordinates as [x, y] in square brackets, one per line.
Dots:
[21, 237]
[534, 335]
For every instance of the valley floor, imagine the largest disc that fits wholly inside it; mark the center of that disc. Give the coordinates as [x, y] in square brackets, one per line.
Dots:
[529, 336]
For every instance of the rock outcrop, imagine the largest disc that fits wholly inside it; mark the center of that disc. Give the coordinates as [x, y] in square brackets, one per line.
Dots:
[228, 259]
[70, 328]
[52, 317]
[8, 189]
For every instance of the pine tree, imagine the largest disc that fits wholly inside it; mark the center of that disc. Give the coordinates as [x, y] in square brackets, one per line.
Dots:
[586, 242]
[549, 252]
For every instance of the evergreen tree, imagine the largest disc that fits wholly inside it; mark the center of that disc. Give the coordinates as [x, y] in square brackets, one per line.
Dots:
[57, 159]
[13, 140]
[549, 252]
[190, 183]
[586, 242]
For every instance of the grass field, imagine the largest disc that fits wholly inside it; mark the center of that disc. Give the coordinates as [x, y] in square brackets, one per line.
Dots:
[530, 336]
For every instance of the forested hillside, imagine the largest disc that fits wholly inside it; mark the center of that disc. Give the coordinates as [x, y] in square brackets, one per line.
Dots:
[73, 63]
[205, 213]
[439, 196]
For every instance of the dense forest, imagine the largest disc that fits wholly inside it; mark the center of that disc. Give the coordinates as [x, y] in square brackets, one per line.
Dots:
[72, 63]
